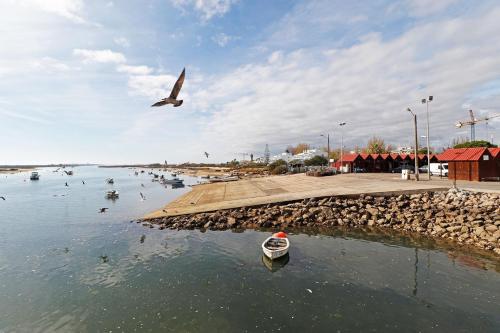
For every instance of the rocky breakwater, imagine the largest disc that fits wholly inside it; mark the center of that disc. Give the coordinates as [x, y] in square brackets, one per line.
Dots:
[470, 218]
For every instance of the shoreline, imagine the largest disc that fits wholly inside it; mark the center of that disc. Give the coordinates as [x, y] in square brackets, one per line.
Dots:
[16, 170]
[464, 217]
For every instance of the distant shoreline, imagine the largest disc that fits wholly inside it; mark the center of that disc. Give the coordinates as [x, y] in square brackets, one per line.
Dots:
[15, 170]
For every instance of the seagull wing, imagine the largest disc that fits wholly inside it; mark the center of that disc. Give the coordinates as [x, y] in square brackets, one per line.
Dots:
[160, 103]
[178, 85]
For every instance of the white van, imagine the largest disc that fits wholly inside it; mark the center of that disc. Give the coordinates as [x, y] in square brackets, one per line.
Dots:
[440, 169]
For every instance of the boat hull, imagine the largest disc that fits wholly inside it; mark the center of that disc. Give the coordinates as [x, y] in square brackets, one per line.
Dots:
[275, 253]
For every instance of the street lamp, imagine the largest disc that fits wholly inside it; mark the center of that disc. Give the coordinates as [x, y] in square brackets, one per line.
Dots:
[416, 142]
[426, 102]
[341, 147]
[327, 147]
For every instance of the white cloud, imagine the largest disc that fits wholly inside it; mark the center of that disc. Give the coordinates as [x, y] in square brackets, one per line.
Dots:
[122, 41]
[207, 8]
[69, 9]
[295, 96]
[49, 64]
[153, 86]
[102, 56]
[134, 70]
[222, 39]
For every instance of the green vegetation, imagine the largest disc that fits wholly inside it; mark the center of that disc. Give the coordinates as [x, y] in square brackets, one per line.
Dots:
[279, 170]
[278, 167]
[475, 144]
[316, 160]
[424, 151]
[376, 145]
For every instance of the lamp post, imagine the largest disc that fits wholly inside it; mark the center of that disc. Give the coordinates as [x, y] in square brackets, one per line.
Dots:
[416, 142]
[426, 102]
[328, 148]
[341, 147]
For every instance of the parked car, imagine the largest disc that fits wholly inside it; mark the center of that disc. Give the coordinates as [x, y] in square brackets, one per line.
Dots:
[423, 169]
[404, 167]
[440, 169]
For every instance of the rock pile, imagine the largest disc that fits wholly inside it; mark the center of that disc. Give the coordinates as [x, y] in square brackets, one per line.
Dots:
[466, 217]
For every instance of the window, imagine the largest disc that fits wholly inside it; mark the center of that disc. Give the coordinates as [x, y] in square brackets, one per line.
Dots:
[486, 158]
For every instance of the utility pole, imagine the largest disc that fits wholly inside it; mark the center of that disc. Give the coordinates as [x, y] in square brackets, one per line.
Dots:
[428, 145]
[416, 142]
[327, 148]
[341, 147]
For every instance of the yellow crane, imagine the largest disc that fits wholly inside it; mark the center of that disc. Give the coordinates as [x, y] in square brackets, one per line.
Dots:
[473, 121]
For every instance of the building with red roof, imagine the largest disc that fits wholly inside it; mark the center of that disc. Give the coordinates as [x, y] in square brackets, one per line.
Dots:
[473, 164]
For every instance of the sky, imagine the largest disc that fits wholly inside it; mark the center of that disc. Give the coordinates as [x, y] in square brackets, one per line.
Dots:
[77, 77]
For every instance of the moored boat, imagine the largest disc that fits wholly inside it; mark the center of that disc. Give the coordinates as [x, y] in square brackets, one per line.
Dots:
[34, 176]
[112, 194]
[174, 180]
[276, 246]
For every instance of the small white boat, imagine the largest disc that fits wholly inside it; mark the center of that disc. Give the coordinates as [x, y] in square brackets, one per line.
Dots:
[34, 176]
[112, 194]
[174, 180]
[276, 246]
[224, 179]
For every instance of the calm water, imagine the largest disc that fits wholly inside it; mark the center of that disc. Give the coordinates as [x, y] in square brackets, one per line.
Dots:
[65, 267]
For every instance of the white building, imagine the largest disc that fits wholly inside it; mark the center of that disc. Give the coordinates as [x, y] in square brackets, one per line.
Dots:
[305, 155]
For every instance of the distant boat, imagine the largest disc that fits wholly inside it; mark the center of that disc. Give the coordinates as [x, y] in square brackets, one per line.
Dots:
[174, 180]
[223, 179]
[112, 194]
[34, 176]
[276, 246]
[110, 181]
[173, 174]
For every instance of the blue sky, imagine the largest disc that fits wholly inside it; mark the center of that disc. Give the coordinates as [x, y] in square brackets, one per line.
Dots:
[77, 77]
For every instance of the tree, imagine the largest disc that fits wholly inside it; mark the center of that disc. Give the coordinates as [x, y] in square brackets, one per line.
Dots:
[335, 153]
[475, 144]
[423, 150]
[316, 160]
[301, 147]
[376, 145]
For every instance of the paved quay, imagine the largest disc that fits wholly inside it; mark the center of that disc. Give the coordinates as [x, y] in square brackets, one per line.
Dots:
[258, 191]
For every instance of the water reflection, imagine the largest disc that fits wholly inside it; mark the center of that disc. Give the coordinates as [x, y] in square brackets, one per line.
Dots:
[276, 264]
[63, 267]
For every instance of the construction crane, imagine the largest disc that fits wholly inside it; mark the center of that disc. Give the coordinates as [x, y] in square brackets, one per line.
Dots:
[473, 121]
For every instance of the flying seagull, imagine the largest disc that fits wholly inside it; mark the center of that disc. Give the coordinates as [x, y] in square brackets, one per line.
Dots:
[172, 99]
[206, 154]
[3, 198]
[103, 210]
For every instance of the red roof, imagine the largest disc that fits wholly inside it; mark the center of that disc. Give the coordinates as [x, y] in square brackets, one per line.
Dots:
[364, 156]
[349, 157]
[385, 156]
[374, 156]
[463, 154]
[495, 152]
[395, 156]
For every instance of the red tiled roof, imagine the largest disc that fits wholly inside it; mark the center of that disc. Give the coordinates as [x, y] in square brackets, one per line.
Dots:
[385, 156]
[495, 152]
[395, 156]
[463, 154]
[349, 157]
[374, 156]
[364, 156]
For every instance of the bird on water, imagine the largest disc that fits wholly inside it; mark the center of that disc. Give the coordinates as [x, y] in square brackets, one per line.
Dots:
[172, 99]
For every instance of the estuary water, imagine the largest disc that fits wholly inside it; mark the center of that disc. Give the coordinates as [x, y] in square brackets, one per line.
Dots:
[65, 267]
